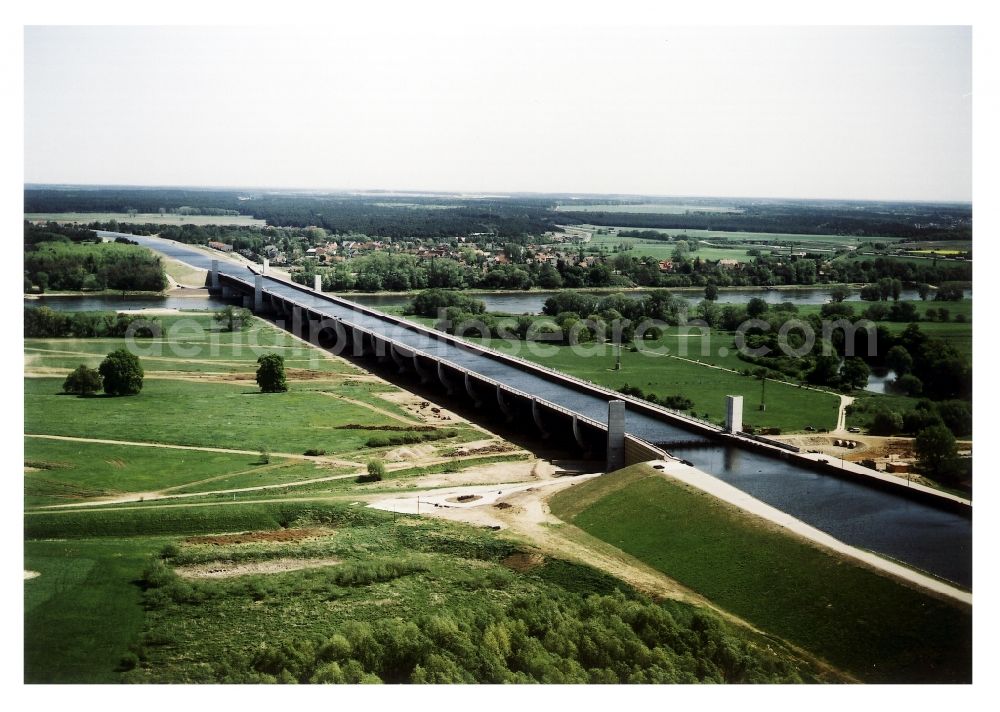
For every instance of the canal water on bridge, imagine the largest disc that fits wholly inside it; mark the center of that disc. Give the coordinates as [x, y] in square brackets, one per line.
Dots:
[931, 539]
[918, 534]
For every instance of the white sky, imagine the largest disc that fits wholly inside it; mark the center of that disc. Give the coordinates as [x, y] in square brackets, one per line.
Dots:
[880, 113]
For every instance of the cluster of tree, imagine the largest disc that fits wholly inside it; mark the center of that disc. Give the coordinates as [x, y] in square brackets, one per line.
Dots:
[123, 200]
[935, 426]
[674, 402]
[428, 302]
[46, 323]
[937, 457]
[54, 232]
[60, 265]
[233, 318]
[924, 365]
[551, 637]
[690, 270]
[955, 415]
[388, 271]
[120, 374]
[910, 220]
[658, 304]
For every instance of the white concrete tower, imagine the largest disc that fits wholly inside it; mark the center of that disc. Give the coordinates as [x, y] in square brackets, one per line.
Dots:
[734, 414]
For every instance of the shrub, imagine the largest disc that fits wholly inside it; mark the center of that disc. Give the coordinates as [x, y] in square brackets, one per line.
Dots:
[83, 381]
[410, 438]
[376, 472]
[313, 452]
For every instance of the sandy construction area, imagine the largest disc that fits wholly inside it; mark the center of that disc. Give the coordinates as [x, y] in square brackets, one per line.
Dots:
[227, 569]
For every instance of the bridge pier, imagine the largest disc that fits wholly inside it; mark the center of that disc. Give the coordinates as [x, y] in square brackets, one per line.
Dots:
[358, 339]
[444, 379]
[258, 293]
[616, 435]
[578, 436]
[213, 275]
[425, 377]
[398, 359]
[471, 391]
[536, 415]
[504, 408]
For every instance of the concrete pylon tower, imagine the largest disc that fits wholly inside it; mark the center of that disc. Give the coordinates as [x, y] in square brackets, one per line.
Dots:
[616, 435]
[734, 414]
[258, 292]
[317, 283]
[213, 276]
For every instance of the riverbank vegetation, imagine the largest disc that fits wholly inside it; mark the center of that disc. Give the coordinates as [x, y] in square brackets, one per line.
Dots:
[60, 258]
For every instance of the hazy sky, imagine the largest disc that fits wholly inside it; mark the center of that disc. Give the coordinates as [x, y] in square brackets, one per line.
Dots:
[786, 112]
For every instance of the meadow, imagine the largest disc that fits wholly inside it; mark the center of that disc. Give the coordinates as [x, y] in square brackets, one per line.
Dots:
[740, 240]
[200, 392]
[788, 407]
[861, 621]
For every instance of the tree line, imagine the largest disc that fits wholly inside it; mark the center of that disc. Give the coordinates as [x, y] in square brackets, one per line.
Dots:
[46, 323]
[393, 216]
[910, 221]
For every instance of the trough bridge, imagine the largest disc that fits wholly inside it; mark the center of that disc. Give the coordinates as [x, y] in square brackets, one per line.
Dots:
[923, 527]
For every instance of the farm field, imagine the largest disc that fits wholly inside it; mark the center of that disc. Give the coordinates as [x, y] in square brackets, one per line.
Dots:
[750, 239]
[640, 247]
[147, 219]
[866, 623]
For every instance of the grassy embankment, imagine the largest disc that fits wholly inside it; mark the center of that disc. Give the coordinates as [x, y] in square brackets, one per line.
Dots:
[858, 620]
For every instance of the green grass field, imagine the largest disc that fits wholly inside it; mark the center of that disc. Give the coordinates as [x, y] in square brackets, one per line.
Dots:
[205, 414]
[788, 407]
[191, 341]
[200, 391]
[860, 621]
[640, 247]
[85, 609]
[146, 219]
[64, 472]
[749, 239]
